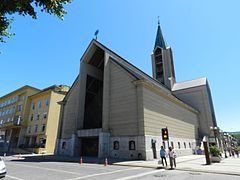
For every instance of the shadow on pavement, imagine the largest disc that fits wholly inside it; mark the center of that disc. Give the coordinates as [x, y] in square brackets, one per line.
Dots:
[67, 159]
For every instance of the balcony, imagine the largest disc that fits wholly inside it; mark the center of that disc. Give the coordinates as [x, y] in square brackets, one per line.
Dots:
[16, 122]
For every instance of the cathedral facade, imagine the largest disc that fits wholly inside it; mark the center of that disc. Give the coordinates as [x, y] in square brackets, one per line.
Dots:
[114, 109]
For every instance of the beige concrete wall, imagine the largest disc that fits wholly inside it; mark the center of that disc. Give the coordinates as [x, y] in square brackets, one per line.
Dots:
[198, 98]
[123, 102]
[160, 112]
[53, 121]
[70, 112]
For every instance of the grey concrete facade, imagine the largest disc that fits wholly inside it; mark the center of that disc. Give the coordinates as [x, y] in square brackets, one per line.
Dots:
[115, 110]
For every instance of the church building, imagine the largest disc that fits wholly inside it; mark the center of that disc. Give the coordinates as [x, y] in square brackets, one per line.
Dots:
[114, 109]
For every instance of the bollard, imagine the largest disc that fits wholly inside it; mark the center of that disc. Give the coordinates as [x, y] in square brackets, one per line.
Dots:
[106, 162]
[81, 161]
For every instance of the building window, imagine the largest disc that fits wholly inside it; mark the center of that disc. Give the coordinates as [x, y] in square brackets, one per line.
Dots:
[185, 146]
[39, 104]
[179, 145]
[29, 129]
[63, 145]
[33, 105]
[43, 127]
[31, 117]
[132, 145]
[22, 98]
[190, 145]
[36, 128]
[45, 115]
[19, 108]
[172, 145]
[42, 143]
[37, 116]
[46, 102]
[116, 145]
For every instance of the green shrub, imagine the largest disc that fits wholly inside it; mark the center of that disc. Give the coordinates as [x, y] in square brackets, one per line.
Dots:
[215, 151]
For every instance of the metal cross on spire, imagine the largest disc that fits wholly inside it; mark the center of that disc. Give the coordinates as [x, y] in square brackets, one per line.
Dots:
[96, 33]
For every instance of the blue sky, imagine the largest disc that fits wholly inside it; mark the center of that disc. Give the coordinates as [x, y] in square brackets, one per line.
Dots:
[204, 36]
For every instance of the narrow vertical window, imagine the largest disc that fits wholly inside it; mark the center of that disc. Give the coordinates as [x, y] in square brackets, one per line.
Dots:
[39, 104]
[46, 102]
[29, 129]
[116, 145]
[43, 127]
[132, 145]
[36, 128]
[19, 108]
[33, 105]
[45, 115]
[63, 145]
[179, 145]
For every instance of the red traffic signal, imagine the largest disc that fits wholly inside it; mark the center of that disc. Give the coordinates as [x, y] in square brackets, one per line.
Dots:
[165, 134]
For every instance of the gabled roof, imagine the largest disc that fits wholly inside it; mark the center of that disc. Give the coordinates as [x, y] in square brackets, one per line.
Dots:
[130, 68]
[190, 84]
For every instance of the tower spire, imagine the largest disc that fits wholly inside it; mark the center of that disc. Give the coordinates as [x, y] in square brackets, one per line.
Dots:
[159, 38]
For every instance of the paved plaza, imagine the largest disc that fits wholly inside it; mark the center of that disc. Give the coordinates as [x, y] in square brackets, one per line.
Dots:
[62, 168]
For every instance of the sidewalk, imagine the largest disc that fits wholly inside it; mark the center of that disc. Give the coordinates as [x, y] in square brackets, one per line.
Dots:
[196, 163]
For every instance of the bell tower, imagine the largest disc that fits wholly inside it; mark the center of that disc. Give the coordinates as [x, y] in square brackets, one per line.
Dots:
[162, 61]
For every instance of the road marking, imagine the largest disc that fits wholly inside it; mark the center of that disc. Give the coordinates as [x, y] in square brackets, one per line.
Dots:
[140, 175]
[100, 174]
[12, 177]
[39, 167]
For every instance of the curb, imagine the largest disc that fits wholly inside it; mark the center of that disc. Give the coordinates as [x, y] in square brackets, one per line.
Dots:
[207, 171]
[180, 169]
[135, 165]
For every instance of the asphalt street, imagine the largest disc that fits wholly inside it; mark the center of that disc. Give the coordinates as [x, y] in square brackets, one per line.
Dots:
[18, 169]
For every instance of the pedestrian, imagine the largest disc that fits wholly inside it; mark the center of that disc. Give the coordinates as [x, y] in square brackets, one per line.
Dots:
[236, 152]
[233, 154]
[163, 155]
[172, 156]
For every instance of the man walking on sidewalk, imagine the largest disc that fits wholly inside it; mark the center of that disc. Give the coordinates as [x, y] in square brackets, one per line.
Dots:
[163, 155]
[172, 157]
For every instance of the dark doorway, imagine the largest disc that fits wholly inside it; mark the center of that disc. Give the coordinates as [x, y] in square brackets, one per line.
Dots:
[154, 149]
[90, 146]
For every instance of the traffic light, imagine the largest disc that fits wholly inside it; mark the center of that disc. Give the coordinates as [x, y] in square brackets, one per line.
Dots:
[165, 134]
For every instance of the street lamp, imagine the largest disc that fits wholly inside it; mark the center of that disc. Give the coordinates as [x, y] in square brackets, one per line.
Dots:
[214, 129]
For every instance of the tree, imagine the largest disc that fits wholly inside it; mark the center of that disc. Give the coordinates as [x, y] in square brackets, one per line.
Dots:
[27, 7]
[237, 136]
